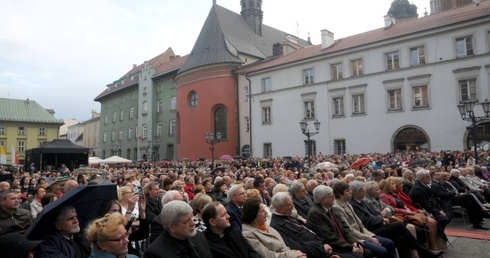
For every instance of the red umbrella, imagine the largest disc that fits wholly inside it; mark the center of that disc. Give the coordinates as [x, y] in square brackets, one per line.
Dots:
[360, 163]
[226, 157]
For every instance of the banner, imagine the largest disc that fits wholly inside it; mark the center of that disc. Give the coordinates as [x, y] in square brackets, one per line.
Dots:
[15, 158]
[3, 155]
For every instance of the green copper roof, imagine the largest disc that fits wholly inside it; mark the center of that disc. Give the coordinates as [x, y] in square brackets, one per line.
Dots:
[25, 111]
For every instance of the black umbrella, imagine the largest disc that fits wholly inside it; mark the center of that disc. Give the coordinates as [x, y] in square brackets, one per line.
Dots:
[420, 162]
[238, 157]
[86, 200]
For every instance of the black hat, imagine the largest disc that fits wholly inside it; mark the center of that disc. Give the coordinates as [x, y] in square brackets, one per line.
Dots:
[250, 210]
[15, 245]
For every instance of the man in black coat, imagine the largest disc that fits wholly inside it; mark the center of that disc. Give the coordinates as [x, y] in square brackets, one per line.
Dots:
[421, 195]
[153, 201]
[236, 198]
[301, 201]
[223, 240]
[327, 225]
[294, 232]
[180, 238]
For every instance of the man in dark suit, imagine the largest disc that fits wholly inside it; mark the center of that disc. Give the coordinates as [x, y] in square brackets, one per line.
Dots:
[236, 198]
[378, 224]
[180, 237]
[301, 201]
[294, 232]
[422, 196]
[224, 240]
[328, 227]
[449, 196]
[153, 200]
[259, 184]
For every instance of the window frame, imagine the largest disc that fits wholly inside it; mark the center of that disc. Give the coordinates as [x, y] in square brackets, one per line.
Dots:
[309, 109]
[266, 115]
[397, 95]
[392, 60]
[471, 90]
[462, 45]
[424, 96]
[361, 109]
[338, 109]
[173, 103]
[267, 150]
[337, 71]
[42, 131]
[308, 76]
[21, 130]
[266, 84]
[417, 56]
[357, 67]
[172, 127]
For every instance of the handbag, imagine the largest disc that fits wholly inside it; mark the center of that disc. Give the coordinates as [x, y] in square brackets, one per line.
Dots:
[397, 217]
[418, 219]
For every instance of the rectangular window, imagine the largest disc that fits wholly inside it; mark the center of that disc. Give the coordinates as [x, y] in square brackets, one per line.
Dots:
[121, 115]
[2, 129]
[104, 137]
[114, 116]
[337, 71]
[310, 147]
[467, 89]
[356, 67]
[173, 103]
[266, 115]
[145, 108]
[160, 106]
[464, 46]
[144, 130]
[22, 130]
[420, 96]
[309, 76]
[159, 128]
[339, 146]
[338, 106]
[131, 113]
[247, 124]
[358, 104]
[121, 134]
[395, 99]
[417, 56]
[393, 60]
[310, 109]
[22, 146]
[267, 150]
[173, 127]
[266, 85]
[42, 131]
[105, 119]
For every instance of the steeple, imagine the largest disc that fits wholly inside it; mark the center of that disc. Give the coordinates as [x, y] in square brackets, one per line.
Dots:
[402, 9]
[252, 12]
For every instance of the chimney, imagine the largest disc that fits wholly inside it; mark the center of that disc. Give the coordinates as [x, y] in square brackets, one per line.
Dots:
[277, 50]
[327, 38]
[388, 21]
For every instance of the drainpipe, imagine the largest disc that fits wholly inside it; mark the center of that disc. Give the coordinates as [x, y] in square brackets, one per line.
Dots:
[249, 111]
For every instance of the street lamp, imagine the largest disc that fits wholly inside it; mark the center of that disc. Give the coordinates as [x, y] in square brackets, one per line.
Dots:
[115, 149]
[212, 139]
[152, 149]
[306, 131]
[467, 114]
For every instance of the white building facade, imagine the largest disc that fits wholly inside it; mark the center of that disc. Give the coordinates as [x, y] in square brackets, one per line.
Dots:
[394, 88]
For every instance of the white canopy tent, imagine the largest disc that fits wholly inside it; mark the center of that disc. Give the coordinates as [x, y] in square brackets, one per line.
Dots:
[94, 160]
[115, 160]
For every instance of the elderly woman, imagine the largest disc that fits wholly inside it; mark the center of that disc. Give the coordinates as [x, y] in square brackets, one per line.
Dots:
[109, 237]
[220, 194]
[264, 239]
[197, 204]
[391, 187]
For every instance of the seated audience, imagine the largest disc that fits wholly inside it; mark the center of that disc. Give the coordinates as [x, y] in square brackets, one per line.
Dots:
[198, 202]
[12, 217]
[223, 239]
[236, 198]
[301, 201]
[264, 239]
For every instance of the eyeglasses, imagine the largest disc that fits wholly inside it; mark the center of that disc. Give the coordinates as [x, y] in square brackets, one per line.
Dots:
[122, 239]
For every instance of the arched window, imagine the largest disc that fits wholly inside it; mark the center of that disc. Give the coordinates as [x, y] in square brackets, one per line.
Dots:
[121, 115]
[173, 103]
[131, 113]
[121, 134]
[145, 131]
[130, 133]
[104, 137]
[220, 122]
[113, 135]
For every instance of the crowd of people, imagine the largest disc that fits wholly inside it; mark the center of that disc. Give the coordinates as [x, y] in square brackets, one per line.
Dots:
[396, 204]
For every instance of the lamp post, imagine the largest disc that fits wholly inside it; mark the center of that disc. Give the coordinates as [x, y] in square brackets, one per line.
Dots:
[153, 147]
[212, 139]
[115, 149]
[467, 114]
[306, 131]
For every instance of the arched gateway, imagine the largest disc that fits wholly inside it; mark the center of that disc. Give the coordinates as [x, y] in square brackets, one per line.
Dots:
[410, 137]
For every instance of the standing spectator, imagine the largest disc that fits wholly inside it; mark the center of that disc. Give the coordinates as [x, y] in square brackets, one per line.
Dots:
[36, 205]
[12, 217]
[153, 201]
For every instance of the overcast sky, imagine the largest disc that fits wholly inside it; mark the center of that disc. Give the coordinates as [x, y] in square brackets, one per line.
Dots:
[63, 53]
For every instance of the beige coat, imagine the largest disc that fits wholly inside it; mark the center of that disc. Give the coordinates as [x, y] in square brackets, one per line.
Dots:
[346, 212]
[268, 245]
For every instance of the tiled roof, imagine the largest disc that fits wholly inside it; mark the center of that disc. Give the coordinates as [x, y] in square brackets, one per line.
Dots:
[405, 28]
[132, 76]
[21, 110]
[170, 66]
[223, 26]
